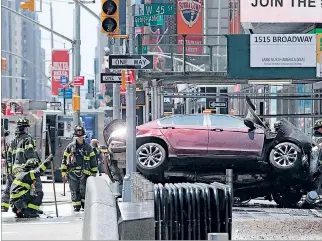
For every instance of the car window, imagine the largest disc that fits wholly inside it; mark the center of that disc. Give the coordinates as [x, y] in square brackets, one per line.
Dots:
[189, 120]
[226, 121]
[166, 121]
[184, 120]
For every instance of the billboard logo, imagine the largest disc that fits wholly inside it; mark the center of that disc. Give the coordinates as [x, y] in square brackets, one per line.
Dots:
[190, 11]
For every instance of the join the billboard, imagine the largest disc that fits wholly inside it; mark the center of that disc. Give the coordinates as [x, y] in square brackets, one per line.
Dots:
[59, 68]
[281, 11]
[190, 22]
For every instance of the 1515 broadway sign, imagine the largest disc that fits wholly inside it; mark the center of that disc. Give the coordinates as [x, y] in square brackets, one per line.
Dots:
[281, 11]
[283, 50]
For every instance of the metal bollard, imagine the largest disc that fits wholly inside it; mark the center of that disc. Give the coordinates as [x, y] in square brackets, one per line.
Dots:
[218, 236]
[230, 181]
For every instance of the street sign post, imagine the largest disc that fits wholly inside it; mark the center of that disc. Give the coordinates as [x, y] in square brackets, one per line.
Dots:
[148, 20]
[140, 62]
[79, 80]
[162, 9]
[111, 78]
[212, 104]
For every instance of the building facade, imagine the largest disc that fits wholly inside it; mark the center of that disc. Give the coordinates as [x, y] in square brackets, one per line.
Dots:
[21, 45]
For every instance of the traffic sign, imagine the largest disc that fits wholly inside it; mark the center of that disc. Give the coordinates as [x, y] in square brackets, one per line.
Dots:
[162, 9]
[68, 93]
[130, 61]
[79, 80]
[63, 80]
[110, 78]
[211, 104]
[148, 20]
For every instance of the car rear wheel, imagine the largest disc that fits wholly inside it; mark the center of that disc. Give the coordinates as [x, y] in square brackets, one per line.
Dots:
[285, 156]
[151, 158]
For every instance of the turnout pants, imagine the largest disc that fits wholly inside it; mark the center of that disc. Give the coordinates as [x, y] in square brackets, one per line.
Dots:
[77, 185]
[27, 203]
[6, 192]
[37, 196]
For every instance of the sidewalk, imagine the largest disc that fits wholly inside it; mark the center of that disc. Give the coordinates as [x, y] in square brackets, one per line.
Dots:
[68, 225]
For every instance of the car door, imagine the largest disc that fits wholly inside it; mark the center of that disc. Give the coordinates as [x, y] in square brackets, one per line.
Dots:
[187, 134]
[228, 135]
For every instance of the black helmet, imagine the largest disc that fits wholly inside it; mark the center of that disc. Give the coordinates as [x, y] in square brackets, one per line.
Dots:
[23, 122]
[30, 164]
[318, 124]
[79, 131]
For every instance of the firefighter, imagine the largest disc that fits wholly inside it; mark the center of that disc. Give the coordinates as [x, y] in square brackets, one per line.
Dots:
[317, 135]
[79, 162]
[22, 199]
[26, 150]
[96, 149]
[10, 157]
[6, 153]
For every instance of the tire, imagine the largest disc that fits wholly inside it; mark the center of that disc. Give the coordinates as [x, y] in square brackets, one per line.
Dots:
[151, 158]
[286, 198]
[285, 156]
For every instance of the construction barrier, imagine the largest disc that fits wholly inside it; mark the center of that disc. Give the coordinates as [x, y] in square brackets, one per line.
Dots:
[190, 211]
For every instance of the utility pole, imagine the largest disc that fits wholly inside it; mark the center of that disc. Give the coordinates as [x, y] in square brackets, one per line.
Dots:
[77, 58]
[52, 34]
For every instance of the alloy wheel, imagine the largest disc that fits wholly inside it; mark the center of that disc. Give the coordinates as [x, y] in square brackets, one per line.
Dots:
[150, 156]
[285, 155]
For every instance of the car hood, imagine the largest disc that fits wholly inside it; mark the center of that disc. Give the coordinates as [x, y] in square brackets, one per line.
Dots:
[251, 114]
[112, 126]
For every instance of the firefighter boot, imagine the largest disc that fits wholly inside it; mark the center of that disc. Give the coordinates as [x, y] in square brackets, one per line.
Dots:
[4, 209]
[40, 211]
[30, 213]
[83, 205]
[77, 209]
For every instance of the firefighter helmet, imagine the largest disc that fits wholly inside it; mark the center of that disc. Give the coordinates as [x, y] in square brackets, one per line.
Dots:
[30, 164]
[23, 122]
[318, 124]
[79, 131]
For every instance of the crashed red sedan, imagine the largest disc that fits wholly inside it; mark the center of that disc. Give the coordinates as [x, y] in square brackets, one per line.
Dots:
[205, 145]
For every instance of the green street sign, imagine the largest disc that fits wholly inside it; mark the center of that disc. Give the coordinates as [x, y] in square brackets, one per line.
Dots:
[144, 49]
[162, 9]
[148, 20]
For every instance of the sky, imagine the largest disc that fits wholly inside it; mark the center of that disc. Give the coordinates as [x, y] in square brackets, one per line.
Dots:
[63, 23]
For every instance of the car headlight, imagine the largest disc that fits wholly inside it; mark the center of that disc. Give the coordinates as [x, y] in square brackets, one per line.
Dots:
[119, 133]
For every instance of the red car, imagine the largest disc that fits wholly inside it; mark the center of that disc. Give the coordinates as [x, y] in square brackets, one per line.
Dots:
[205, 144]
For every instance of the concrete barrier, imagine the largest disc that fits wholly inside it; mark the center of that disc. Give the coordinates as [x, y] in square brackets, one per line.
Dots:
[101, 212]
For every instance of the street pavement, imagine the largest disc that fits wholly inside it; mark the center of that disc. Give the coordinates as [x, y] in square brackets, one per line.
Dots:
[262, 220]
[259, 220]
[67, 226]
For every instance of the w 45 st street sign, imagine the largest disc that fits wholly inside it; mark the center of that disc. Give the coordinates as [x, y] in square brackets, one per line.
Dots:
[130, 61]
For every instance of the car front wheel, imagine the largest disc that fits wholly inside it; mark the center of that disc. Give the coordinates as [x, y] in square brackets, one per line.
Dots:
[151, 158]
[285, 156]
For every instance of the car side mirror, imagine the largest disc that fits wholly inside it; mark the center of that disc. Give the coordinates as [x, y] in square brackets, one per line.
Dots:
[249, 124]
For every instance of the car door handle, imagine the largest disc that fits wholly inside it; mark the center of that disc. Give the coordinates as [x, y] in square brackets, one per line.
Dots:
[217, 129]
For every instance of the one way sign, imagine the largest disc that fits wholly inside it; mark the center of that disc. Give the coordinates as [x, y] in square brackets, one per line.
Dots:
[211, 104]
[130, 61]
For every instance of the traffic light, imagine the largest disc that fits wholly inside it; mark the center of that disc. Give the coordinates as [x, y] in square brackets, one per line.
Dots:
[76, 102]
[3, 64]
[110, 16]
[30, 5]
